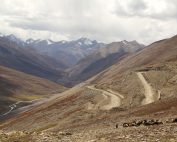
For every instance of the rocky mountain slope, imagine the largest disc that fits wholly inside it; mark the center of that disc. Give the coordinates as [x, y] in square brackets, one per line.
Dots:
[66, 52]
[17, 86]
[102, 59]
[14, 56]
[52, 58]
[157, 63]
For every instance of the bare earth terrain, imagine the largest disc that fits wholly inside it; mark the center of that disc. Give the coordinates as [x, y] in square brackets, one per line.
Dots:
[134, 100]
[111, 99]
[149, 95]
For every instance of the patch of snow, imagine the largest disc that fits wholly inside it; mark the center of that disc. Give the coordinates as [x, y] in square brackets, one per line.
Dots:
[87, 42]
[29, 41]
[49, 42]
[125, 42]
[79, 43]
[63, 41]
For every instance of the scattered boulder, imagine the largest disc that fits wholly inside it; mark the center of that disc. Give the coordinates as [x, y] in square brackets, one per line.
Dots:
[174, 120]
[125, 124]
[65, 133]
[171, 120]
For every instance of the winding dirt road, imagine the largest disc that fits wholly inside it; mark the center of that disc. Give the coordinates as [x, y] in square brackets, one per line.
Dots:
[148, 91]
[113, 99]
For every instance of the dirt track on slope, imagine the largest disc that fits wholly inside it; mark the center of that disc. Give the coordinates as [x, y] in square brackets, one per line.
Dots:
[113, 99]
[148, 91]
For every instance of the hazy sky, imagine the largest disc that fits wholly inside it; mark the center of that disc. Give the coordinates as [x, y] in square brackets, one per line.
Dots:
[105, 20]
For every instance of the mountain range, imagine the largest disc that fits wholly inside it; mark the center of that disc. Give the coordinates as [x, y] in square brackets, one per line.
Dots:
[14, 56]
[34, 57]
[66, 62]
[67, 52]
[102, 59]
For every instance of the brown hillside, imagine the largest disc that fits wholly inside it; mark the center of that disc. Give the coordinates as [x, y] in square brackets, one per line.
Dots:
[16, 86]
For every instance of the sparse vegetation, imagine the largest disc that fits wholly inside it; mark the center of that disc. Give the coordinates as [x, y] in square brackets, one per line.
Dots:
[43, 128]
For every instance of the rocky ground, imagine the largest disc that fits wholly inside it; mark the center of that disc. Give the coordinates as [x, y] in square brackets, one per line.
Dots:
[101, 132]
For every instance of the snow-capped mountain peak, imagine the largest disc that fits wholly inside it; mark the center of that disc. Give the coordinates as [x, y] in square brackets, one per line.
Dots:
[13, 38]
[80, 43]
[49, 42]
[124, 42]
[29, 41]
[85, 41]
[64, 41]
[88, 42]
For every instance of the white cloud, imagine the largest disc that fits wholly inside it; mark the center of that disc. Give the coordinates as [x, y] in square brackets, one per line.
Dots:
[142, 20]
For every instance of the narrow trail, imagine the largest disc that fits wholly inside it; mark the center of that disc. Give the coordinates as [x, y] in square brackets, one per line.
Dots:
[148, 91]
[113, 99]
